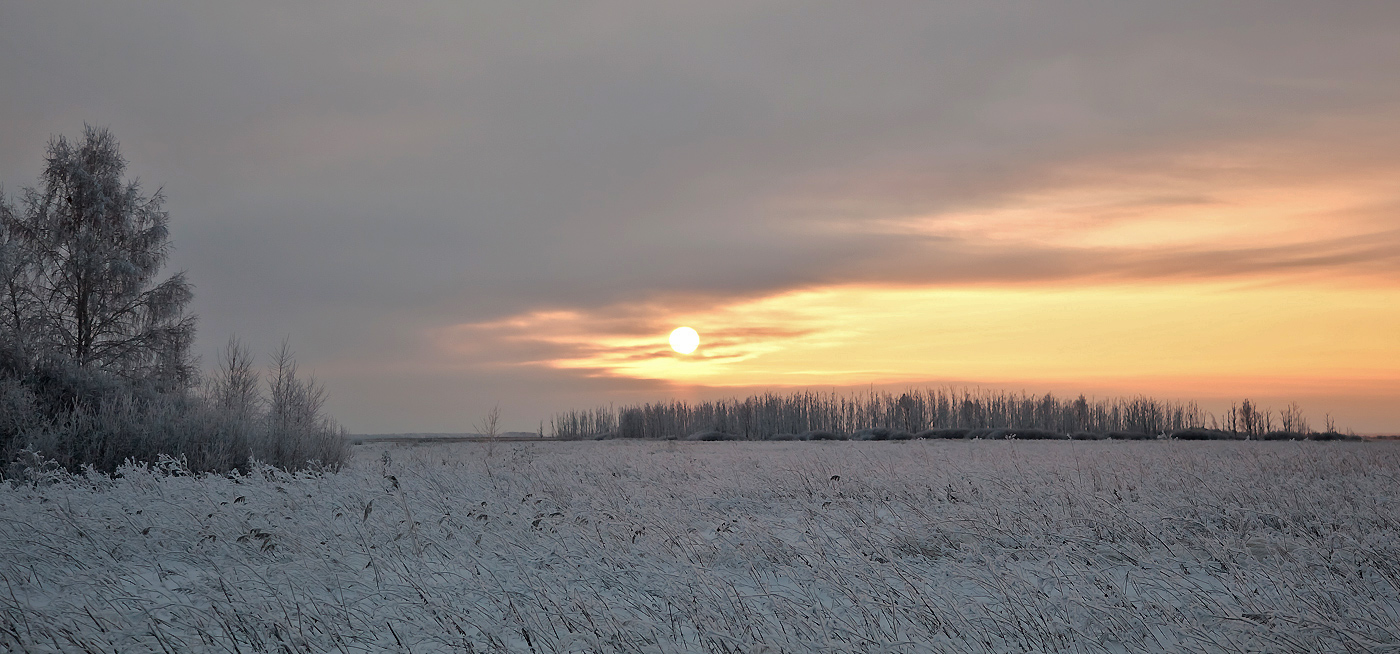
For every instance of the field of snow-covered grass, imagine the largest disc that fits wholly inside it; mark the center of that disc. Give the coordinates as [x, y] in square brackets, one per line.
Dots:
[622, 546]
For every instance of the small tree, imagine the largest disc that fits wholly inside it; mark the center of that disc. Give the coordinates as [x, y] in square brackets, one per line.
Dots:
[490, 427]
[81, 260]
[1293, 420]
[296, 433]
[234, 387]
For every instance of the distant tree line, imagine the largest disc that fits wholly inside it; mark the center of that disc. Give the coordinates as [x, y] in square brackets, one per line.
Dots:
[95, 368]
[930, 413]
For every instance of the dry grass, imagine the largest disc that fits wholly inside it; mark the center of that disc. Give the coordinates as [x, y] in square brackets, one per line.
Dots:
[631, 546]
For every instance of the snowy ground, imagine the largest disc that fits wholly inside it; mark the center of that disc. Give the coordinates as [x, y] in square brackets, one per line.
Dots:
[724, 547]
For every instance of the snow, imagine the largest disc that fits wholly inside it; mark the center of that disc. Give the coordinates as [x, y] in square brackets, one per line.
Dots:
[723, 547]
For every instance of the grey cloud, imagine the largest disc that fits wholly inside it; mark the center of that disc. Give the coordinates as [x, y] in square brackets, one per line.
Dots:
[356, 173]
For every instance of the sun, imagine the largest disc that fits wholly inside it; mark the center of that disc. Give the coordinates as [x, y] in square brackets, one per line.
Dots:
[684, 340]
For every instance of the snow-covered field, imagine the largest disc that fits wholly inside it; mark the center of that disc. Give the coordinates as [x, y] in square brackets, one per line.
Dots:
[622, 546]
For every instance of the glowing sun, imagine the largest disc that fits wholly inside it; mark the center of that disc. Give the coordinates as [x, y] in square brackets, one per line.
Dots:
[684, 340]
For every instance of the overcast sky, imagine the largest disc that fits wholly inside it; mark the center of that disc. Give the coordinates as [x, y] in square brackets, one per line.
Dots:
[451, 205]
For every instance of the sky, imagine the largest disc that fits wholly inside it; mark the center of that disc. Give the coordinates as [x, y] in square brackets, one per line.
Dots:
[450, 206]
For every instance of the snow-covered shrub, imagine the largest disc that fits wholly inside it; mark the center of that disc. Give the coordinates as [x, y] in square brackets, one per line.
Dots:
[77, 417]
[294, 433]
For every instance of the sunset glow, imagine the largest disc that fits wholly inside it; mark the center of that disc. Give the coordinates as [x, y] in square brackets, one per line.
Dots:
[1213, 333]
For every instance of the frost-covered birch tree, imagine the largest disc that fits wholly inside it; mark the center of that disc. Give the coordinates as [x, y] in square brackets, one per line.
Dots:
[82, 256]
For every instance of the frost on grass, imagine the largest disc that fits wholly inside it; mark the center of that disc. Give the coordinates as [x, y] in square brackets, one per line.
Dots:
[721, 547]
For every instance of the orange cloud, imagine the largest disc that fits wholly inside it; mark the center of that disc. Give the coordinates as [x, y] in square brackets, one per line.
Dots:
[1226, 197]
[841, 335]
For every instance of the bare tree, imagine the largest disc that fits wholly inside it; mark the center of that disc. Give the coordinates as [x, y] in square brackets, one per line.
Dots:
[234, 388]
[293, 404]
[1251, 421]
[81, 261]
[490, 425]
[1293, 420]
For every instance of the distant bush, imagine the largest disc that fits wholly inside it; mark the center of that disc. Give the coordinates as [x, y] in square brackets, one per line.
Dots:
[1034, 434]
[823, 436]
[877, 434]
[712, 436]
[1201, 434]
[1129, 436]
[881, 434]
[1088, 436]
[1017, 433]
[1283, 436]
[1333, 436]
[943, 433]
